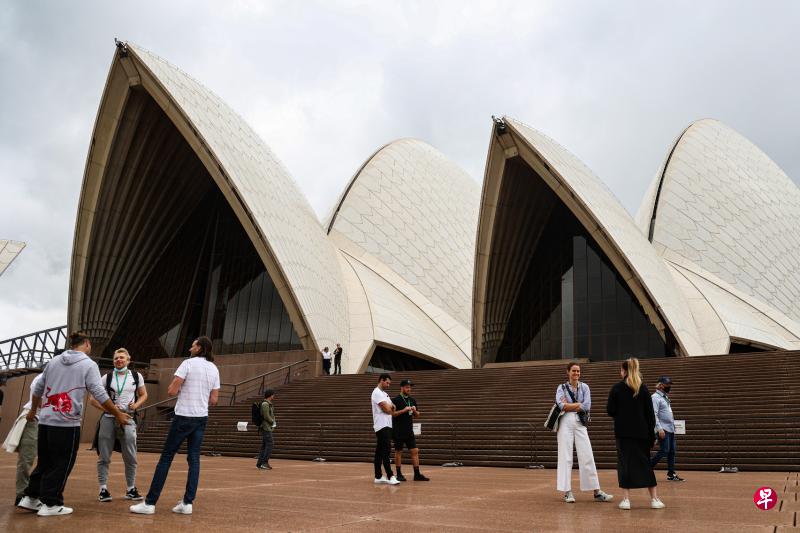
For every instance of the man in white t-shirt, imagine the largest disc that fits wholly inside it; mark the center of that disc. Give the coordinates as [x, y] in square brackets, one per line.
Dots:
[126, 389]
[382, 407]
[326, 361]
[197, 385]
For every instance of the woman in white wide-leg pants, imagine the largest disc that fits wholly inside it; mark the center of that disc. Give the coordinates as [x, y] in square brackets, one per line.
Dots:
[575, 400]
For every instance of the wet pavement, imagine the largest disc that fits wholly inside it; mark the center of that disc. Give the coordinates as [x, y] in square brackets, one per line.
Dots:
[341, 497]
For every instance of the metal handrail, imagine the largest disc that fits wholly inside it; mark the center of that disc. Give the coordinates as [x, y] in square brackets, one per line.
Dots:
[263, 378]
[723, 423]
[143, 412]
[32, 350]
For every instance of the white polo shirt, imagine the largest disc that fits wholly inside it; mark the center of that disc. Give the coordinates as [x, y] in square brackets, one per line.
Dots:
[380, 419]
[200, 378]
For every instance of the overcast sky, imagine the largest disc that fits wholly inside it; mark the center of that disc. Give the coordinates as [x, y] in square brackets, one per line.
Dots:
[327, 83]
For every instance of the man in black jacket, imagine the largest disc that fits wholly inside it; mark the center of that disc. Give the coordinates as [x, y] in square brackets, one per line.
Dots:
[403, 430]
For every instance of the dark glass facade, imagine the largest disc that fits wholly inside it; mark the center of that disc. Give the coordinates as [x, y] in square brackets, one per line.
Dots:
[208, 281]
[572, 303]
[388, 360]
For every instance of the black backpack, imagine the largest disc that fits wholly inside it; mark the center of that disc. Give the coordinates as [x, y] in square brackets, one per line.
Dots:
[255, 413]
[113, 394]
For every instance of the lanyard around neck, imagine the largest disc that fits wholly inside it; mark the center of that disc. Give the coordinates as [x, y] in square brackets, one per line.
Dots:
[116, 378]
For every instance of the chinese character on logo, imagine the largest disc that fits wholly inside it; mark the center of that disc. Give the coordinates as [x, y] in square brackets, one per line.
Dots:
[765, 498]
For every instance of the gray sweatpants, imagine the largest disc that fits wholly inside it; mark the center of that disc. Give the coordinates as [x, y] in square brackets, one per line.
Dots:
[105, 445]
[26, 454]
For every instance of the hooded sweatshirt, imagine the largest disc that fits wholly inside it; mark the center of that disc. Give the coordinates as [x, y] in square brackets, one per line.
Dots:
[63, 386]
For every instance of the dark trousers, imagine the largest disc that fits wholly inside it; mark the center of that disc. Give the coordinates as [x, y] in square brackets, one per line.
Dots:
[184, 428]
[337, 364]
[326, 366]
[383, 449]
[667, 450]
[266, 448]
[57, 448]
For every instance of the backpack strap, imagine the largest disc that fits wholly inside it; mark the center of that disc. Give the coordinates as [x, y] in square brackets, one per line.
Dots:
[109, 389]
[135, 385]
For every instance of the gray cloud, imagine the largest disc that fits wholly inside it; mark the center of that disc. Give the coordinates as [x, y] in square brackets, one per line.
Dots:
[326, 84]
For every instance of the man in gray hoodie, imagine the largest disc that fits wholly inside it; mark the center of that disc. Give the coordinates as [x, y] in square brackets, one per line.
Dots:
[63, 387]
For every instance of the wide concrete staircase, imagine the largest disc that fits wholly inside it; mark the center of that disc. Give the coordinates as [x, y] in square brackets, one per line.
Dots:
[740, 410]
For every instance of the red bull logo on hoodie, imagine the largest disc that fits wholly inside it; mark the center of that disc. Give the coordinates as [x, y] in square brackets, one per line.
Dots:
[61, 402]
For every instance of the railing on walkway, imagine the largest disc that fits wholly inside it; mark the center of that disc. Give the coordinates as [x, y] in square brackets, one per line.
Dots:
[230, 393]
[163, 410]
[32, 350]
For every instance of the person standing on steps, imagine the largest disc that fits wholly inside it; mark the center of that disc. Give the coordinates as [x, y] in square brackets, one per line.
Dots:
[405, 411]
[266, 427]
[665, 427]
[196, 384]
[575, 400]
[326, 361]
[337, 360]
[127, 390]
[631, 407]
[382, 409]
[65, 381]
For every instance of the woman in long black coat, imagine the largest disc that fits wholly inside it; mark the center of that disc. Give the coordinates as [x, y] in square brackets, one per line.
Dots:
[630, 405]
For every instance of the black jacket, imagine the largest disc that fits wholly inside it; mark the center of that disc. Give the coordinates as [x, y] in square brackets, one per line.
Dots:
[633, 416]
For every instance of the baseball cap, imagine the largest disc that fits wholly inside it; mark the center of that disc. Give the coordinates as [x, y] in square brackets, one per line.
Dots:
[666, 380]
[406, 382]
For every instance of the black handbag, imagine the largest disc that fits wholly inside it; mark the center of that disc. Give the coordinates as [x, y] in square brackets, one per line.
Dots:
[553, 417]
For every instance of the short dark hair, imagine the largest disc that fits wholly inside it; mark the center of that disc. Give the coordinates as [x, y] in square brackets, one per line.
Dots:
[269, 393]
[205, 346]
[384, 377]
[571, 364]
[76, 338]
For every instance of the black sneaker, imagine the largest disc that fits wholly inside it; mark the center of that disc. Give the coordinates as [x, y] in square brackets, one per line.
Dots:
[134, 495]
[674, 477]
[17, 500]
[267, 466]
[420, 477]
[104, 495]
[262, 467]
[400, 477]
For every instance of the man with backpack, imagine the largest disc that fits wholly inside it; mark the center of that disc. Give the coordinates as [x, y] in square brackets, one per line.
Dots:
[264, 417]
[126, 389]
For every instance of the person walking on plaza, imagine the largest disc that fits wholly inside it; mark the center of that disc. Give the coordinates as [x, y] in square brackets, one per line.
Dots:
[405, 411]
[326, 361]
[22, 439]
[337, 359]
[64, 383]
[266, 428]
[382, 409]
[575, 400]
[665, 427]
[630, 406]
[126, 389]
[196, 384]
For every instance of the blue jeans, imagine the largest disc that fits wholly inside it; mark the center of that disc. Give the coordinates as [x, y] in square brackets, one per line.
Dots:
[184, 428]
[667, 449]
[266, 448]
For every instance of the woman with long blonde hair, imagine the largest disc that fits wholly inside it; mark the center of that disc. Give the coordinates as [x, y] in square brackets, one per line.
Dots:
[630, 405]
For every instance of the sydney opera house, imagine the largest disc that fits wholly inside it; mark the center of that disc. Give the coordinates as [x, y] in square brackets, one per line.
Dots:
[189, 225]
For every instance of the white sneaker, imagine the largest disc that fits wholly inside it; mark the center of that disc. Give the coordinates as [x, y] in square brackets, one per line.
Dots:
[655, 503]
[625, 504]
[568, 497]
[393, 481]
[603, 497]
[31, 504]
[182, 508]
[143, 508]
[56, 510]
[381, 480]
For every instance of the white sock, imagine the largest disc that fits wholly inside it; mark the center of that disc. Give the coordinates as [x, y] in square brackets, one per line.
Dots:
[103, 487]
[131, 487]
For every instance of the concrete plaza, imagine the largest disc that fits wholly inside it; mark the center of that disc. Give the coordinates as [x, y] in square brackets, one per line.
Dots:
[340, 497]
